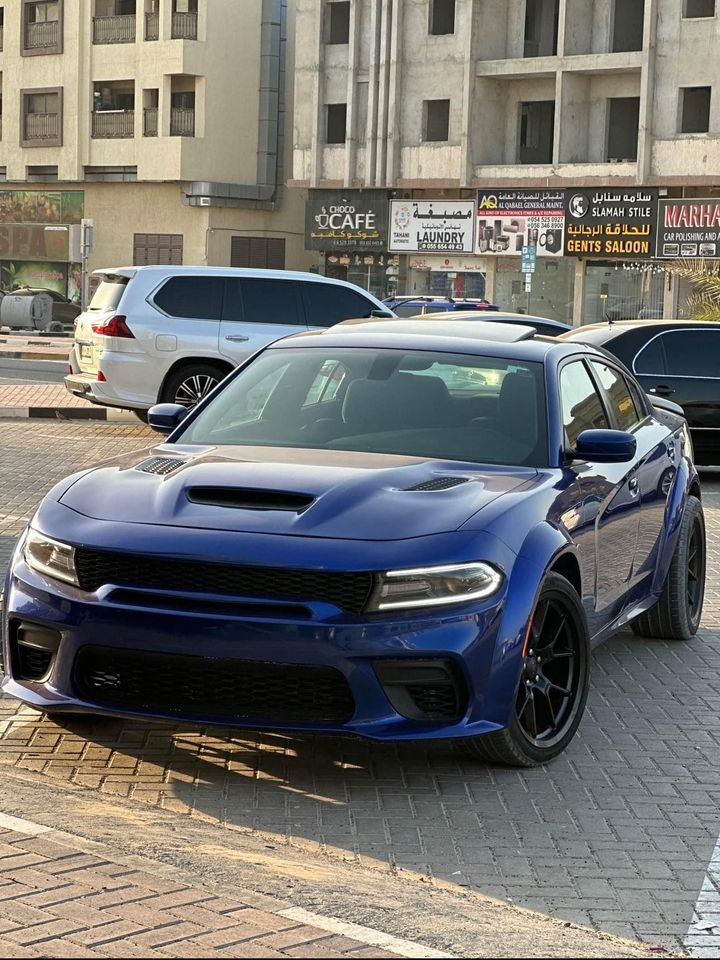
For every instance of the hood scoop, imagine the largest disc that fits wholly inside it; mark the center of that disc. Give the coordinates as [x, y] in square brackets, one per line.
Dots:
[439, 483]
[249, 499]
[160, 465]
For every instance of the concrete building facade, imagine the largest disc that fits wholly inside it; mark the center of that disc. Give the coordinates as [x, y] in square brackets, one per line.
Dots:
[440, 99]
[165, 121]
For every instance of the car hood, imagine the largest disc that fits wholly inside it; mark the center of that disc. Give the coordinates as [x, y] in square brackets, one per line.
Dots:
[304, 493]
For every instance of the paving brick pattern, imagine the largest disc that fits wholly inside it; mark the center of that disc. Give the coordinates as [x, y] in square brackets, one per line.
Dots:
[13, 396]
[56, 901]
[616, 834]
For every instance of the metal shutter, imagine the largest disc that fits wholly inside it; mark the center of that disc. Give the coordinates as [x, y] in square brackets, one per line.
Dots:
[157, 248]
[259, 253]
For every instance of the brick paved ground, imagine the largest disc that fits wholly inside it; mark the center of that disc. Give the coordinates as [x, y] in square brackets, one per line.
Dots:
[38, 395]
[616, 834]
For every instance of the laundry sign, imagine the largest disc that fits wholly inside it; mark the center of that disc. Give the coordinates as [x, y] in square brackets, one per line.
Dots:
[432, 226]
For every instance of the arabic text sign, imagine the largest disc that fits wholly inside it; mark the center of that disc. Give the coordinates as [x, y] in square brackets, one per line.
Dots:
[508, 220]
[346, 220]
[436, 226]
[688, 228]
[610, 222]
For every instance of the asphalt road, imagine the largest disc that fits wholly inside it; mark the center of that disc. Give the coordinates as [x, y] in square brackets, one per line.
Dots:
[619, 834]
[31, 371]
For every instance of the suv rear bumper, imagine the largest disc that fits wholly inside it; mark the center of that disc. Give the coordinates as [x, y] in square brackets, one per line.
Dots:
[86, 386]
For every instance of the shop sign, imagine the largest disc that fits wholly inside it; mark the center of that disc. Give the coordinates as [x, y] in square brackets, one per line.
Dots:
[688, 228]
[346, 220]
[508, 220]
[448, 264]
[613, 223]
[528, 259]
[46, 276]
[441, 226]
[25, 241]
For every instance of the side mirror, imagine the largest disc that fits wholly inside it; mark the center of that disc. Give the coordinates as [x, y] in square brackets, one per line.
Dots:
[605, 446]
[165, 417]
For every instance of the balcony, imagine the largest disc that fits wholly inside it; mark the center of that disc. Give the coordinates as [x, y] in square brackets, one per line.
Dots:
[113, 124]
[38, 36]
[152, 26]
[119, 29]
[182, 122]
[184, 26]
[38, 127]
[150, 122]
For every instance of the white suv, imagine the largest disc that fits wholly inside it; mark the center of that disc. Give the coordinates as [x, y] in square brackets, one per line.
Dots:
[170, 334]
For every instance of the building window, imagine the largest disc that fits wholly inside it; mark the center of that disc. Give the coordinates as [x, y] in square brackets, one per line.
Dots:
[695, 110]
[260, 253]
[436, 120]
[41, 117]
[150, 249]
[628, 25]
[2, 27]
[184, 20]
[41, 27]
[542, 18]
[623, 123]
[442, 17]
[114, 21]
[113, 110]
[336, 122]
[537, 131]
[182, 110]
[151, 99]
[694, 9]
[41, 174]
[337, 22]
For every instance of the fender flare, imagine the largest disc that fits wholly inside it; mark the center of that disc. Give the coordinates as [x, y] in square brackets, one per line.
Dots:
[674, 509]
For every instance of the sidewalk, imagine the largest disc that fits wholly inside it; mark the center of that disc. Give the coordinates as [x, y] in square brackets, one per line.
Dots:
[34, 348]
[52, 401]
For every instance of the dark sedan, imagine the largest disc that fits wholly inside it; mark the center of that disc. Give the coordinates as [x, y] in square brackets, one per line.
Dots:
[676, 359]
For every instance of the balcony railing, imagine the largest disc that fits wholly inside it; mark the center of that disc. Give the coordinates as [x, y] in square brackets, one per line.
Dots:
[150, 122]
[42, 126]
[113, 124]
[119, 29]
[40, 35]
[184, 26]
[152, 26]
[182, 122]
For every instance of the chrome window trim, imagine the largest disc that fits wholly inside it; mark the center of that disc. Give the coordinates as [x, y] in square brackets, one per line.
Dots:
[676, 376]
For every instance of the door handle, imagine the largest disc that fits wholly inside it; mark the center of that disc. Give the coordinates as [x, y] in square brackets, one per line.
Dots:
[634, 486]
[662, 390]
[237, 339]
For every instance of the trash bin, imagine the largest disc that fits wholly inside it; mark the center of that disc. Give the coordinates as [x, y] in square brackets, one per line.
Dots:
[22, 312]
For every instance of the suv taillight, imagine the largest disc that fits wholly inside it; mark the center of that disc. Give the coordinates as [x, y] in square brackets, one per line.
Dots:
[114, 327]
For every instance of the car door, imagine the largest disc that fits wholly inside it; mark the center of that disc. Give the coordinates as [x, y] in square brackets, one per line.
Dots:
[257, 311]
[657, 456]
[610, 492]
[683, 365]
[329, 303]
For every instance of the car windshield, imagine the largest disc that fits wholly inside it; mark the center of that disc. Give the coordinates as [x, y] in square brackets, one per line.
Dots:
[406, 402]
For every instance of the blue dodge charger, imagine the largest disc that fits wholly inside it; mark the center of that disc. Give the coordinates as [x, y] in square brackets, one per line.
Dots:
[399, 530]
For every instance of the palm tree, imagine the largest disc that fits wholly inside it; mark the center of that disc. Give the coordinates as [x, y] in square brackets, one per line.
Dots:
[703, 303]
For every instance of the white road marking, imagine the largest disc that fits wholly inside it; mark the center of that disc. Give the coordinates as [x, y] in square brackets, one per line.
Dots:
[374, 938]
[703, 937]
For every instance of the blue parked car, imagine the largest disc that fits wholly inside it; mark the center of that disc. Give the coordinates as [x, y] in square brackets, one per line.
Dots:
[415, 306]
[416, 533]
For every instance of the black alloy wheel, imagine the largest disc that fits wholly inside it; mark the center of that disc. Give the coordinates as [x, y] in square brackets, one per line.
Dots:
[696, 570]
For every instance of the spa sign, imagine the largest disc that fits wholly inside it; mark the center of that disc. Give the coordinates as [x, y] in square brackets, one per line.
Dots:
[432, 226]
[346, 220]
[610, 222]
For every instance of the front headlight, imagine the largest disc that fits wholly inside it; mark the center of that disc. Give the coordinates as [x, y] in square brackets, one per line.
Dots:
[434, 586]
[50, 557]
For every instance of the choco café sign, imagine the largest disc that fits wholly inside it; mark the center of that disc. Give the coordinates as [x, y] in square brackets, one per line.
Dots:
[21, 241]
[347, 220]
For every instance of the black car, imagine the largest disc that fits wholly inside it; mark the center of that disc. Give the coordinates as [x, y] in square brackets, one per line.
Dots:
[675, 359]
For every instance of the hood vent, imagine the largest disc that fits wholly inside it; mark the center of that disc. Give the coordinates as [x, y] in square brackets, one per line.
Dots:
[439, 483]
[243, 499]
[160, 465]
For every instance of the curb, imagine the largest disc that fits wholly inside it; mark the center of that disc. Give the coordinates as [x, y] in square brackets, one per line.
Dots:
[17, 355]
[66, 413]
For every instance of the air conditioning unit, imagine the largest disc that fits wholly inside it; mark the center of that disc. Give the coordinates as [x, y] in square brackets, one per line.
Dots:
[204, 201]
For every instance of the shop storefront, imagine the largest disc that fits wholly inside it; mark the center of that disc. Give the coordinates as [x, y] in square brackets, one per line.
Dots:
[40, 240]
[349, 229]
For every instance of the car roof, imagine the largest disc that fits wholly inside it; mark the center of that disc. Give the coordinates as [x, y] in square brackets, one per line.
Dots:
[173, 271]
[597, 333]
[496, 316]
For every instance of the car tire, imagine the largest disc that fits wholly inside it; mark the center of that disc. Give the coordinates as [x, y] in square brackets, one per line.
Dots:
[142, 415]
[559, 615]
[190, 384]
[676, 615]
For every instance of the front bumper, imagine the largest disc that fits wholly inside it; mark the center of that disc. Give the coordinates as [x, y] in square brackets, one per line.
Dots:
[372, 654]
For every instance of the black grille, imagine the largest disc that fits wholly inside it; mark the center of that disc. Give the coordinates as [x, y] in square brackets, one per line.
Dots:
[33, 664]
[229, 690]
[439, 483]
[349, 591]
[249, 499]
[437, 703]
[423, 689]
[160, 465]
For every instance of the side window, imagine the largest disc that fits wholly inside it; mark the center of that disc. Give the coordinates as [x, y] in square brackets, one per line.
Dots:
[692, 353]
[619, 399]
[327, 304]
[263, 301]
[197, 298]
[638, 400]
[327, 383]
[582, 408]
[650, 359]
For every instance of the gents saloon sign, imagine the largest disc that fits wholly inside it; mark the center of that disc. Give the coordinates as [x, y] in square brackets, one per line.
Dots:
[346, 220]
[610, 223]
[689, 228]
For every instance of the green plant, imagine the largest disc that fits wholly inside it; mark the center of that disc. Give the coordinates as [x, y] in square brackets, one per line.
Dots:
[703, 302]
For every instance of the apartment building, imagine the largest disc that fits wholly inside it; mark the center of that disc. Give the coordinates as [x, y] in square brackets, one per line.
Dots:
[571, 125]
[162, 121]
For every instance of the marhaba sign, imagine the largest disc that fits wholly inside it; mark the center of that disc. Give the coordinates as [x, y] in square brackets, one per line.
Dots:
[688, 228]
